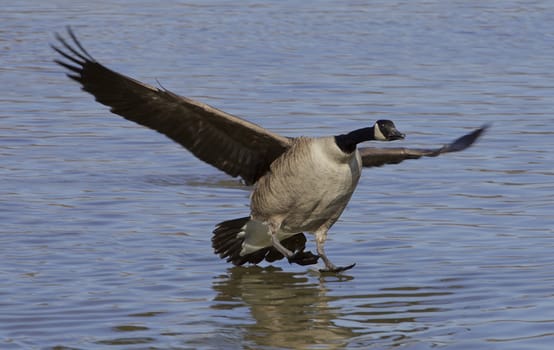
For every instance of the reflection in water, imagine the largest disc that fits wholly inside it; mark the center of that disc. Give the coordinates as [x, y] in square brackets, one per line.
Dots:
[295, 310]
[291, 309]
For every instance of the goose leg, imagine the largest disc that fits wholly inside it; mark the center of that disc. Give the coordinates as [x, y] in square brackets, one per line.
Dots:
[299, 257]
[321, 237]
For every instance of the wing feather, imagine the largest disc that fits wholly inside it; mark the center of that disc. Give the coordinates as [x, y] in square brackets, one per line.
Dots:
[374, 157]
[231, 144]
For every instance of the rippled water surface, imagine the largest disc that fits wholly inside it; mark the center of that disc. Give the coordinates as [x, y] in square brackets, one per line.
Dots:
[105, 226]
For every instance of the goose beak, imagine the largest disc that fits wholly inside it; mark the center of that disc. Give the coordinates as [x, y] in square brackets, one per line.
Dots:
[396, 135]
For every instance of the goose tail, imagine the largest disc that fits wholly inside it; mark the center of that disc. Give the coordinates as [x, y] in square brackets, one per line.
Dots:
[244, 240]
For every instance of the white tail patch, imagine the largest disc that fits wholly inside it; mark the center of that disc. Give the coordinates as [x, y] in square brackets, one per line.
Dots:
[257, 236]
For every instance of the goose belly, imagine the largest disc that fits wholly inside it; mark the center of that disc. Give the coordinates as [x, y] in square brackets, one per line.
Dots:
[310, 215]
[304, 200]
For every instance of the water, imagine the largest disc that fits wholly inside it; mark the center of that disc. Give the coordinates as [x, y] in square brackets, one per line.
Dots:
[105, 226]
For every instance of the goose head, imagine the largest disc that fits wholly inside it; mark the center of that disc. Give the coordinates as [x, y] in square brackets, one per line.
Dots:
[385, 130]
[382, 130]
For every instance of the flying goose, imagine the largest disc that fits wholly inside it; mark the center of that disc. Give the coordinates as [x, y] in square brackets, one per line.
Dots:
[300, 184]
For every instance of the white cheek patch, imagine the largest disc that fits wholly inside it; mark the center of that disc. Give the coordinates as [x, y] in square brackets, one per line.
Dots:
[377, 134]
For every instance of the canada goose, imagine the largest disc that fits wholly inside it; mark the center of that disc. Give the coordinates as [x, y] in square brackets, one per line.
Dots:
[301, 184]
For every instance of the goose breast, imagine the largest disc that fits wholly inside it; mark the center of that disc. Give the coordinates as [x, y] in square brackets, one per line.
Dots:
[307, 186]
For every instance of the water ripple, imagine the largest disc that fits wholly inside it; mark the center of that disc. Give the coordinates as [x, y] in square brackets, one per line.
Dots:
[105, 226]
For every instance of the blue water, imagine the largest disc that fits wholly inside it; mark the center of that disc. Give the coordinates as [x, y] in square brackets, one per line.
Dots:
[105, 226]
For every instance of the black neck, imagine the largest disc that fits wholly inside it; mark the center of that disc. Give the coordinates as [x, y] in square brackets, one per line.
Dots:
[347, 142]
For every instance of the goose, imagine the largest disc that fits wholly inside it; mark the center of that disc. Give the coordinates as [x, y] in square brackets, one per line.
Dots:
[300, 184]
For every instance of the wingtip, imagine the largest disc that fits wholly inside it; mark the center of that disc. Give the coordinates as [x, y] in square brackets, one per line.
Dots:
[76, 48]
[485, 127]
[59, 37]
[465, 141]
[479, 132]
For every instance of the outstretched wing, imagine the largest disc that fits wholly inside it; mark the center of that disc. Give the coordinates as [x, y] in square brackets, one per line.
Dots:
[231, 144]
[372, 157]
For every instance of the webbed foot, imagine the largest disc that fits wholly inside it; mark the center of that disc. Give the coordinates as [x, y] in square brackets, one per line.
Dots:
[303, 258]
[337, 269]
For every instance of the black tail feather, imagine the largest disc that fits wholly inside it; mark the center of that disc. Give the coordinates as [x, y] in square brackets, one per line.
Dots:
[228, 246]
[225, 241]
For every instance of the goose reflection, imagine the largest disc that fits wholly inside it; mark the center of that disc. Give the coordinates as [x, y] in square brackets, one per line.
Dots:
[301, 310]
[291, 310]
